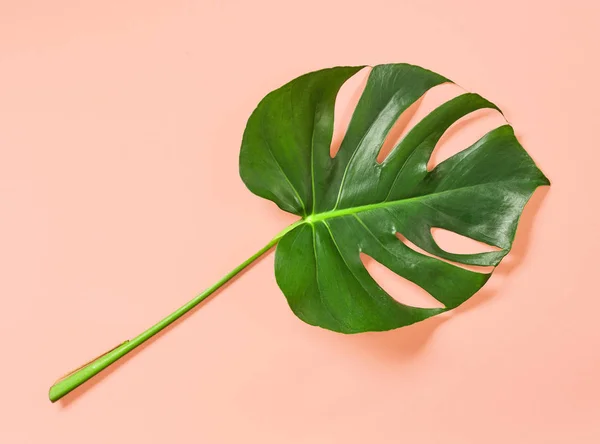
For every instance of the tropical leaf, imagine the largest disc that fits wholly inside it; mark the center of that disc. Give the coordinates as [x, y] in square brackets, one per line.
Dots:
[351, 203]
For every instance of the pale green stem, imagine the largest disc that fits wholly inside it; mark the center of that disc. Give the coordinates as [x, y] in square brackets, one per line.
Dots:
[81, 375]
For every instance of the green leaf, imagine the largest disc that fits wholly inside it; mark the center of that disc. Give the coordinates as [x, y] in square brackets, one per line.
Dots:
[351, 203]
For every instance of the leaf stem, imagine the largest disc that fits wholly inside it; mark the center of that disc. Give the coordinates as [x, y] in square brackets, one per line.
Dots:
[84, 373]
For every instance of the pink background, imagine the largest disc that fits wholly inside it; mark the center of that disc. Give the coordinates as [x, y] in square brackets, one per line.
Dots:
[120, 126]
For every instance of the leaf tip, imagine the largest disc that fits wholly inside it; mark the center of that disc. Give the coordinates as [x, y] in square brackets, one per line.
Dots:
[545, 181]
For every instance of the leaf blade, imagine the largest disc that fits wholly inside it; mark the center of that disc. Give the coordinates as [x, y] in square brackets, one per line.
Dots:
[353, 205]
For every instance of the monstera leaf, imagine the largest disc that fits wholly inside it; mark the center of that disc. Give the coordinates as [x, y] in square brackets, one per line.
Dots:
[351, 204]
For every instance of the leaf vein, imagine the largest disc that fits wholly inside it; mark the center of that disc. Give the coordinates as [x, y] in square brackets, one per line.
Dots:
[269, 148]
[323, 303]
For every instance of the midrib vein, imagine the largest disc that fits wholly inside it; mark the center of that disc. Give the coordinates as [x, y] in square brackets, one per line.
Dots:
[319, 217]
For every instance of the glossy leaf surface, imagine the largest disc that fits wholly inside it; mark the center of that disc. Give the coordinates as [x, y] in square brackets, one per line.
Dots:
[351, 204]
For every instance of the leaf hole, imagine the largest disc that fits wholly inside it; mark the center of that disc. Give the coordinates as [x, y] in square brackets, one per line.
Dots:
[429, 101]
[345, 103]
[399, 288]
[476, 268]
[463, 133]
[456, 243]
